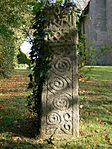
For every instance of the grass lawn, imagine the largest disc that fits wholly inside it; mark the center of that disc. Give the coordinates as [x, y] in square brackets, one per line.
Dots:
[17, 127]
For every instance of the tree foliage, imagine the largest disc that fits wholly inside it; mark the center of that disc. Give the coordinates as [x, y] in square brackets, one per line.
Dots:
[14, 15]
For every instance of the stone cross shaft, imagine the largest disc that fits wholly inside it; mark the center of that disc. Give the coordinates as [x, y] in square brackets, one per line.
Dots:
[60, 112]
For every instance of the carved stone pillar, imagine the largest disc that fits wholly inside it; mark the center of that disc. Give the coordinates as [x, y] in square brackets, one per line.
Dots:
[60, 111]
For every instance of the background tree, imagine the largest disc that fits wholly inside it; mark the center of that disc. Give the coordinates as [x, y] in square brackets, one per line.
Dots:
[15, 17]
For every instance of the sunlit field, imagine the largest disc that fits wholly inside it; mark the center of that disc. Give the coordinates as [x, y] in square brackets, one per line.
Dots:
[18, 126]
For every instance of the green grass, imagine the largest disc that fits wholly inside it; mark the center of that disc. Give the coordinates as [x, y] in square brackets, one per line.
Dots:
[17, 127]
[100, 73]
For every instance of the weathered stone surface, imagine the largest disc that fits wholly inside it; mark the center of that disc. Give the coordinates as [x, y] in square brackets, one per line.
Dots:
[98, 21]
[60, 114]
[101, 24]
[98, 27]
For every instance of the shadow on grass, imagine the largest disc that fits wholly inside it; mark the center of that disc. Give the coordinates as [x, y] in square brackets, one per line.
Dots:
[11, 121]
[25, 128]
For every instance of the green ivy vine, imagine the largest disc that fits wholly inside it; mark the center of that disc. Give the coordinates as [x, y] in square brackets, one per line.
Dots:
[40, 59]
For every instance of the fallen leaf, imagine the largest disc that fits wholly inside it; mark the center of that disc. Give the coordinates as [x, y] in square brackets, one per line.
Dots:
[1, 107]
[0, 117]
[80, 78]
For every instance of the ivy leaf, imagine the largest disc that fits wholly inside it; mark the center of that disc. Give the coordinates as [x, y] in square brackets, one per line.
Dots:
[31, 77]
[30, 85]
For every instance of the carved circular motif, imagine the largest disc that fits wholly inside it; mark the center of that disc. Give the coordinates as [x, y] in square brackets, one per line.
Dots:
[66, 128]
[63, 64]
[62, 102]
[53, 118]
[58, 83]
[66, 116]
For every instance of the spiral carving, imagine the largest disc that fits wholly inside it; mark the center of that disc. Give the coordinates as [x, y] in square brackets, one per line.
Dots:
[53, 118]
[66, 128]
[62, 64]
[60, 88]
[58, 83]
[62, 102]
